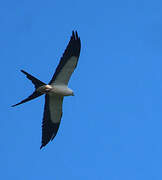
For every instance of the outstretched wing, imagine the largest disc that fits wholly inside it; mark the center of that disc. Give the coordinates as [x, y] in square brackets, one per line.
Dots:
[51, 118]
[68, 61]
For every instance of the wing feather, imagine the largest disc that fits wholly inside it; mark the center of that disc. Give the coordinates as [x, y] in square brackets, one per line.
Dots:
[68, 61]
[51, 118]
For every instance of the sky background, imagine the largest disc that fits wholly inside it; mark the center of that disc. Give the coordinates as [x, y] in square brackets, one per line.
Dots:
[112, 128]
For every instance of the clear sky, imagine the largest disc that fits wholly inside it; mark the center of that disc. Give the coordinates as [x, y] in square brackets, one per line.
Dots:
[112, 128]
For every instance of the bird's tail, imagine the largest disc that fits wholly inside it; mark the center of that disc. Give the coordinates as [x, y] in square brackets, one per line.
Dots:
[37, 83]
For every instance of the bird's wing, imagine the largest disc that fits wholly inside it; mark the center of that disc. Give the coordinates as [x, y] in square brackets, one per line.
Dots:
[68, 61]
[51, 117]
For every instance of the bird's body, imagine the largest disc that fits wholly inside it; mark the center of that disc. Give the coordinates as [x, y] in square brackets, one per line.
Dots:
[56, 89]
[60, 90]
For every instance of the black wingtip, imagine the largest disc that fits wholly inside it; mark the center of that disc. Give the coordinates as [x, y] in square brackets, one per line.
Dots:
[75, 35]
[41, 147]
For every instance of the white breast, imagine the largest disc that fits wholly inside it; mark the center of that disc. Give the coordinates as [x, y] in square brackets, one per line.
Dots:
[61, 90]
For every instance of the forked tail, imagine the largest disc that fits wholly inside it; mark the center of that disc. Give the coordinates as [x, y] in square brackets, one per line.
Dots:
[37, 83]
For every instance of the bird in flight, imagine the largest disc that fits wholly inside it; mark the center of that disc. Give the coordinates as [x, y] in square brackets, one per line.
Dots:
[56, 89]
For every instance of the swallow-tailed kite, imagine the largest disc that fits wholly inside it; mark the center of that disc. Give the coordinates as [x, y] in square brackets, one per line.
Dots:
[56, 89]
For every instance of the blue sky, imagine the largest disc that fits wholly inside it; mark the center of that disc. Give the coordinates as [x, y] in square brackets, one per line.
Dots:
[112, 127]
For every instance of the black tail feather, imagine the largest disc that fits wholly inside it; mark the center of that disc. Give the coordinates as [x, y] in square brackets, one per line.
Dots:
[37, 83]
[32, 96]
